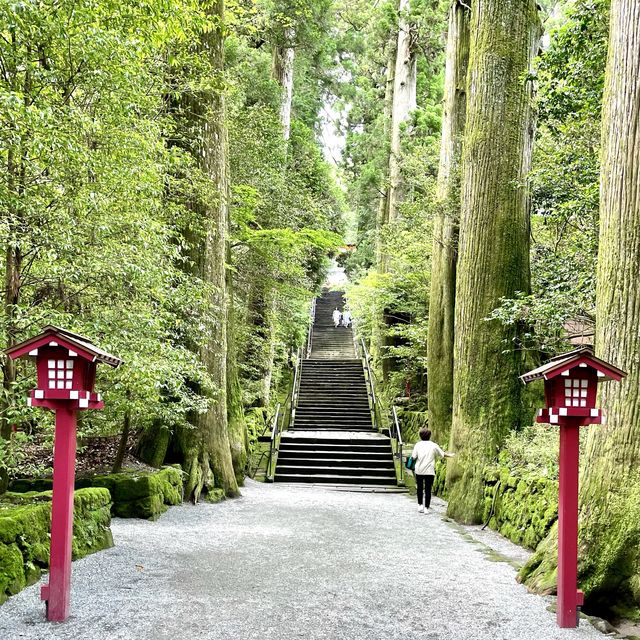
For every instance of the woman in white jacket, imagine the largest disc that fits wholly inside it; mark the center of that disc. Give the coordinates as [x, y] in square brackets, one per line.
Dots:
[425, 453]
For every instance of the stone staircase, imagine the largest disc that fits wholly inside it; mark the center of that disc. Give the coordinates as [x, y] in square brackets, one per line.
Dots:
[332, 438]
[328, 341]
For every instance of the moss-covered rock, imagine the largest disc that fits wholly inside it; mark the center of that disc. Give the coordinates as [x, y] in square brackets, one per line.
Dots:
[12, 574]
[25, 525]
[214, 495]
[24, 485]
[522, 509]
[411, 422]
[144, 494]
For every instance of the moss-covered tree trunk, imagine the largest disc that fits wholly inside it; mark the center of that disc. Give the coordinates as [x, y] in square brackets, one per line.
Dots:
[609, 570]
[383, 202]
[494, 242]
[238, 435]
[203, 449]
[445, 230]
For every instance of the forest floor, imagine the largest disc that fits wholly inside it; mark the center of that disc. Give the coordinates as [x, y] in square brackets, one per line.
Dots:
[95, 455]
[285, 563]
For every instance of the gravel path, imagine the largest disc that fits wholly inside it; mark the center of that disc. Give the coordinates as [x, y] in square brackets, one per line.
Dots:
[284, 563]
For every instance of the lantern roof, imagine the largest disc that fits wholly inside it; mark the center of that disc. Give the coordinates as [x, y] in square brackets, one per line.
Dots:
[566, 361]
[72, 341]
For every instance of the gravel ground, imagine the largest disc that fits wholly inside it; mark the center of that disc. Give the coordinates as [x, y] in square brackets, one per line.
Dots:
[284, 563]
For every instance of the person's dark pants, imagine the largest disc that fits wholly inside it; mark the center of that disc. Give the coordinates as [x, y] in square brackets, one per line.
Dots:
[424, 485]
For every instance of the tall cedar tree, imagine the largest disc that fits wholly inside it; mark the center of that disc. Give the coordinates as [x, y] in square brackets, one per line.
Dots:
[205, 449]
[609, 570]
[445, 228]
[611, 554]
[494, 241]
[401, 97]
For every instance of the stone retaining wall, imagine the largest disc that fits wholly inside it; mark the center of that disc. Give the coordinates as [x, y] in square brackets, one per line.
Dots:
[521, 509]
[145, 494]
[25, 525]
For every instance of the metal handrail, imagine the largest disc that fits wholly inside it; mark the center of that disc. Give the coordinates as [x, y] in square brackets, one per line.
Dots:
[295, 391]
[273, 446]
[377, 411]
[399, 444]
[370, 384]
[312, 320]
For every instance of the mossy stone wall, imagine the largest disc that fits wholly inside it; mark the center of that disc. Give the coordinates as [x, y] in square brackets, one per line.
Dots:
[140, 495]
[524, 508]
[25, 525]
[146, 494]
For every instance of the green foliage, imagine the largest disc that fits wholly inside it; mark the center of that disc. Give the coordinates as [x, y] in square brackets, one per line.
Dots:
[401, 289]
[96, 145]
[83, 143]
[565, 183]
[532, 452]
[14, 460]
[286, 214]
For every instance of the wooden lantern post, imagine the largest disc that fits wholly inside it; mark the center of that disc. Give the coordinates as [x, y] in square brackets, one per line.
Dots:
[66, 364]
[570, 389]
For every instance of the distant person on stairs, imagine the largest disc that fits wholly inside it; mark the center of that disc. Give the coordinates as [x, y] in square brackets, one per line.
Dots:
[337, 317]
[346, 318]
[425, 453]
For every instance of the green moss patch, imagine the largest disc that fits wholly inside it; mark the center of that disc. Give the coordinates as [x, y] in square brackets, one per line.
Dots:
[521, 509]
[142, 495]
[139, 494]
[25, 526]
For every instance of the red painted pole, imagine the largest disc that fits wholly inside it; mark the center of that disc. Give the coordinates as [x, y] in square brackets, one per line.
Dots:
[568, 596]
[58, 591]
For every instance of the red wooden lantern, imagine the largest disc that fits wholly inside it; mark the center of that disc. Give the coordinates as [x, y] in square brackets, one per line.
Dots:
[570, 389]
[66, 366]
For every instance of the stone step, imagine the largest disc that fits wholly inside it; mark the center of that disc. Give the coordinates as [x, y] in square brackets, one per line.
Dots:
[317, 469]
[333, 479]
[330, 411]
[330, 454]
[338, 442]
[335, 463]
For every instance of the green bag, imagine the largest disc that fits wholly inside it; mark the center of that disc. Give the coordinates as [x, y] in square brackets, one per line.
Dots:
[410, 464]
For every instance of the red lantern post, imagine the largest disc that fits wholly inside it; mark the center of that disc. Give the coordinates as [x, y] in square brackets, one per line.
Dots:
[66, 364]
[570, 389]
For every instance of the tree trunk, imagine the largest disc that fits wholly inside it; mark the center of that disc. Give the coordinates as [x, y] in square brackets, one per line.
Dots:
[204, 448]
[258, 352]
[494, 242]
[383, 202]
[12, 277]
[283, 58]
[445, 230]
[122, 444]
[378, 330]
[609, 571]
[238, 435]
[404, 102]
